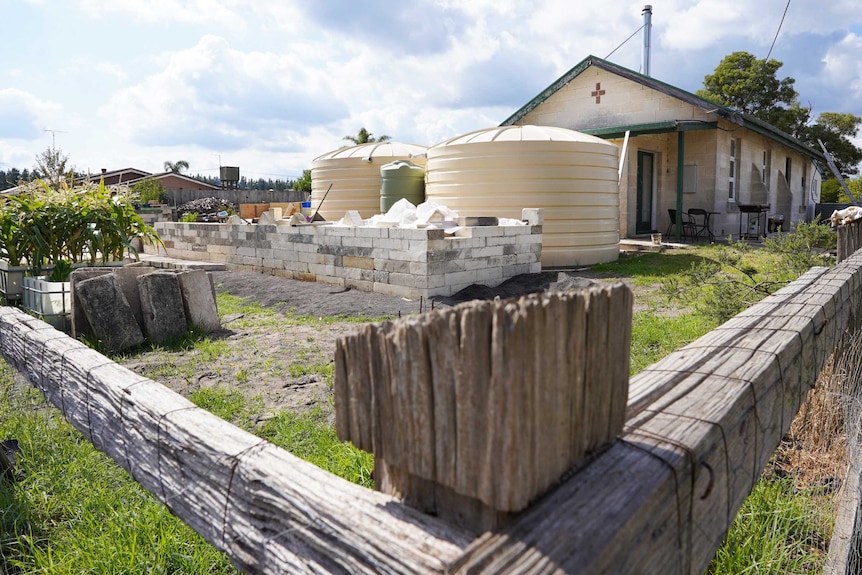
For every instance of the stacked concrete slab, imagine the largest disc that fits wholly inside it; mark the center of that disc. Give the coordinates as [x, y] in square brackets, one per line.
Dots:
[123, 307]
[395, 261]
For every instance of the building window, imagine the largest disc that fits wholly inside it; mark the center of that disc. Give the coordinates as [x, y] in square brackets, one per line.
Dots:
[787, 167]
[689, 179]
[804, 190]
[731, 185]
[767, 167]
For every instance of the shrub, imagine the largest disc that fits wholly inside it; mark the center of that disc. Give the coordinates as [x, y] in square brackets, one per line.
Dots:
[83, 224]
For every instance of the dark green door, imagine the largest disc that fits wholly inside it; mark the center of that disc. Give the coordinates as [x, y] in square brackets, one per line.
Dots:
[644, 223]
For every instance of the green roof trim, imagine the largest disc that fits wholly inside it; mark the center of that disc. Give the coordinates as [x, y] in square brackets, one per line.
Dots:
[729, 114]
[669, 126]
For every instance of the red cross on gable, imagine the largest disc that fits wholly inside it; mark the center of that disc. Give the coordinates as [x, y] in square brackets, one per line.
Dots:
[598, 93]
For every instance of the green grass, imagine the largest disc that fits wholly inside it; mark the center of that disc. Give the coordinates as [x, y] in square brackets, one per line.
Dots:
[650, 268]
[778, 530]
[73, 510]
[655, 336]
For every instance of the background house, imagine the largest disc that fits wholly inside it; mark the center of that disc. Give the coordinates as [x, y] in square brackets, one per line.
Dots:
[683, 151]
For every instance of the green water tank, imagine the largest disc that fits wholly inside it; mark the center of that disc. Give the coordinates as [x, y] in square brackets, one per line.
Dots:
[400, 179]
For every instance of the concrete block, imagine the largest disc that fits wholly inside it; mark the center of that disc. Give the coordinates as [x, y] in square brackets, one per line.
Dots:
[403, 255]
[487, 252]
[381, 277]
[516, 230]
[391, 244]
[533, 216]
[396, 266]
[350, 273]
[499, 241]
[409, 234]
[466, 277]
[358, 242]
[400, 291]
[372, 232]
[199, 300]
[108, 312]
[409, 280]
[80, 324]
[162, 306]
[272, 264]
[127, 278]
[419, 268]
[501, 261]
[490, 274]
[322, 269]
[357, 262]
[359, 284]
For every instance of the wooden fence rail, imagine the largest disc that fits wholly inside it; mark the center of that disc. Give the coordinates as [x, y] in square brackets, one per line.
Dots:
[701, 425]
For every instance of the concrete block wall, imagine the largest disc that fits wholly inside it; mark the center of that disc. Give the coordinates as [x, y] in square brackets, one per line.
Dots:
[394, 261]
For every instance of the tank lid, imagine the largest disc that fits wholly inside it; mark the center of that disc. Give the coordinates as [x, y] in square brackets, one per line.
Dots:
[375, 150]
[526, 133]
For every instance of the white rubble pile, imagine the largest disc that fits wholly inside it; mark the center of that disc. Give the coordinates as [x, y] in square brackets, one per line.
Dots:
[403, 214]
[846, 216]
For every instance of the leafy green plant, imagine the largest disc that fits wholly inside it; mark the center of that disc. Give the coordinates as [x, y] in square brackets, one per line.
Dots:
[189, 217]
[61, 272]
[149, 190]
[89, 223]
[805, 246]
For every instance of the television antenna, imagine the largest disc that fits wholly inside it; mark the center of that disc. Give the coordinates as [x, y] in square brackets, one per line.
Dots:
[54, 137]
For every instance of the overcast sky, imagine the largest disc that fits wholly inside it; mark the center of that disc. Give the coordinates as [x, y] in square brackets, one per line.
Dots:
[268, 85]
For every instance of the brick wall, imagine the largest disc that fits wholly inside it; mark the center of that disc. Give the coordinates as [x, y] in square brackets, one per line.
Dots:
[394, 261]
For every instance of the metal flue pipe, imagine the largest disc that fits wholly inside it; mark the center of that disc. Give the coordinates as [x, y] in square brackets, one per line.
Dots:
[647, 13]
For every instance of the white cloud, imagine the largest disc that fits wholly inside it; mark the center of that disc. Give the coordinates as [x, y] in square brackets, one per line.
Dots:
[24, 116]
[843, 64]
[225, 12]
[213, 95]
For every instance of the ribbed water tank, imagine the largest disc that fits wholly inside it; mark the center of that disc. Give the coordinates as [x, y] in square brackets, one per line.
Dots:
[499, 171]
[355, 176]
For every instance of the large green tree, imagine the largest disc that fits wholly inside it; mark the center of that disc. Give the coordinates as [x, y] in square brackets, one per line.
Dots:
[303, 184]
[365, 137]
[751, 85]
[745, 83]
[835, 131]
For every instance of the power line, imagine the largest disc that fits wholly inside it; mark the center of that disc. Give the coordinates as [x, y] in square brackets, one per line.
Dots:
[779, 29]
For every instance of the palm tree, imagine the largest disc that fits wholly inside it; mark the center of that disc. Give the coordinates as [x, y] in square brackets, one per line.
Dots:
[176, 167]
[366, 137]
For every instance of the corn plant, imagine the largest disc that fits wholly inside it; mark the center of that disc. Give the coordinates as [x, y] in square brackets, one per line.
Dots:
[82, 224]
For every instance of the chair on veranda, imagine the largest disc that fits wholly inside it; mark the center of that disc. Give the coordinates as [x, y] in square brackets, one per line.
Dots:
[688, 225]
[701, 226]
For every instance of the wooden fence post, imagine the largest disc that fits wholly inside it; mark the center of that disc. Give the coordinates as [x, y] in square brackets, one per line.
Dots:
[474, 411]
[849, 239]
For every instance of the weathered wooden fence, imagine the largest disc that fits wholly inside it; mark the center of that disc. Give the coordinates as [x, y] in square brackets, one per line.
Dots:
[849, 239]
[701, 425]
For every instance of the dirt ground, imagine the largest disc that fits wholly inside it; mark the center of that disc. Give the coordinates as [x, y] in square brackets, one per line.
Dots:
[287, 359]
